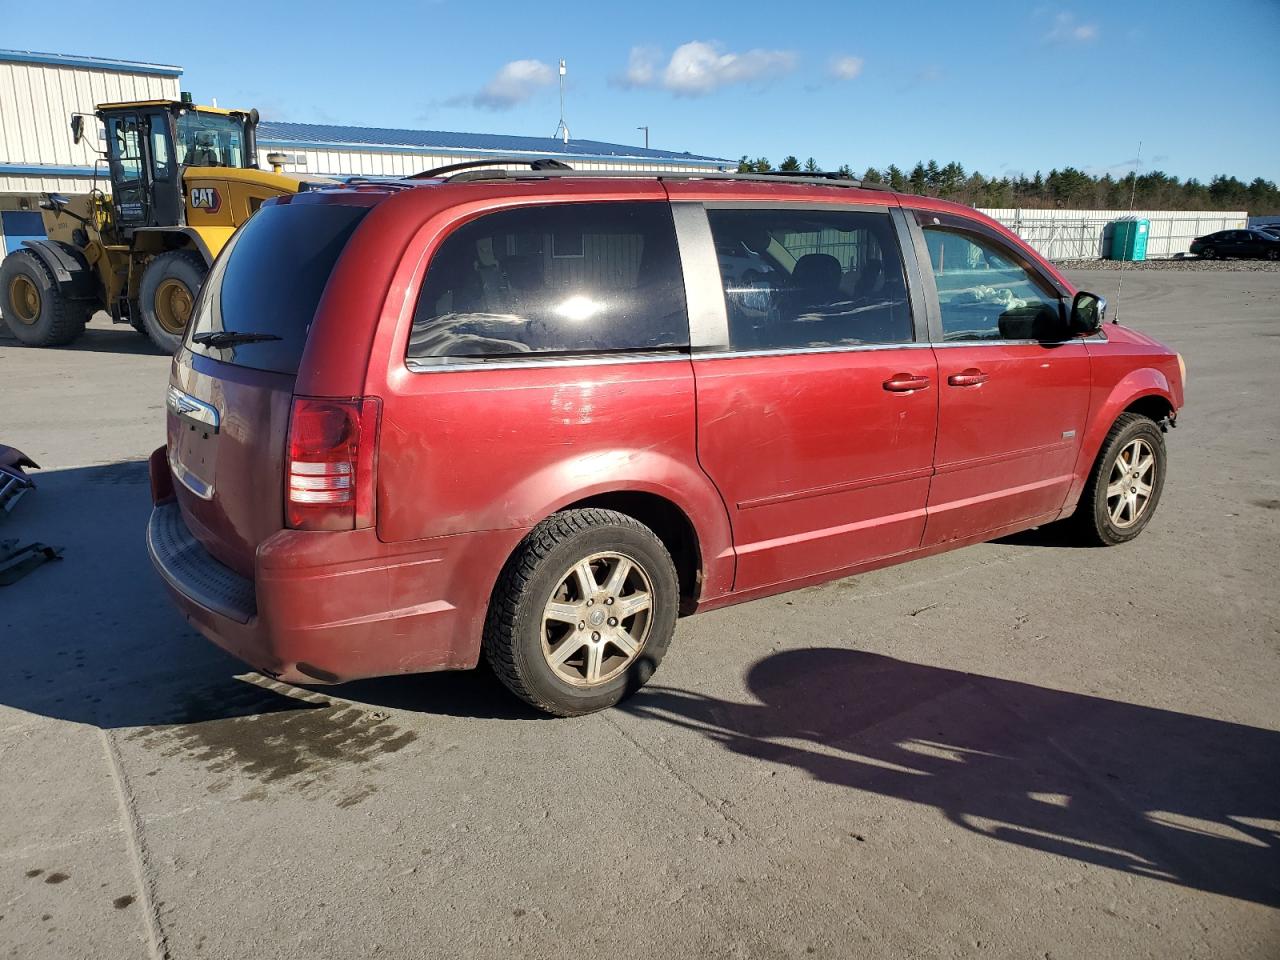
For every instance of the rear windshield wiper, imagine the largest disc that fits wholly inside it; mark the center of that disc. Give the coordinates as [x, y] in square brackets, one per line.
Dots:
[230, 338]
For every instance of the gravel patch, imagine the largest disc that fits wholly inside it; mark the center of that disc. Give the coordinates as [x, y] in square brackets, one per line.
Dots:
[1181, 263]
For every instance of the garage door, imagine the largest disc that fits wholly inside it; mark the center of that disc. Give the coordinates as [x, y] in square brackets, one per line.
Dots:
[19, 225]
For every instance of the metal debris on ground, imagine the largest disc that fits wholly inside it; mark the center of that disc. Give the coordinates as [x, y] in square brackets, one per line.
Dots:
[16, 562]
[13, 481]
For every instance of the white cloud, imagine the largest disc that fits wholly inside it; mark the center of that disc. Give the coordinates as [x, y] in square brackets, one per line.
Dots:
[699, 67]
[845, 68]
[1067, 29]
[512, 85]
[642, 67]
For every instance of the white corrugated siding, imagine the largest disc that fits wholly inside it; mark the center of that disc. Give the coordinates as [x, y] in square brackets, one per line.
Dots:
[387, 163]
[37, 101]
[1086, 234]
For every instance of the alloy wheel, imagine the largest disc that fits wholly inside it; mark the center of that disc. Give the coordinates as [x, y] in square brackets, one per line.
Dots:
[597, 619]
[1131, 482]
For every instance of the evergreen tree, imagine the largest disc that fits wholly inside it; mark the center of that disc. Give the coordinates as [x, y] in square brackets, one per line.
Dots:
[790, 164]
[872, 175]
[811, 165]
[918, 179]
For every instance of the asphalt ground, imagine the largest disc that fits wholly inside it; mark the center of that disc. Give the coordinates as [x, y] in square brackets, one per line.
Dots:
[1020, 749]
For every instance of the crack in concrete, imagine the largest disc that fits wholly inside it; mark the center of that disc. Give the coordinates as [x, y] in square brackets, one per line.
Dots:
[157, 942]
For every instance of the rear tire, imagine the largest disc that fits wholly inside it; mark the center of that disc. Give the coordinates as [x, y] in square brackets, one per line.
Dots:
[1208, 253]
[167, 295]
[583, 612]
[1123, 490]
[35, 309]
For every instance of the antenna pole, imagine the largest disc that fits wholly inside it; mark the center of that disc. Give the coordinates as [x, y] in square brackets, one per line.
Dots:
[1133, 192]
[646, 135]
[562, 129]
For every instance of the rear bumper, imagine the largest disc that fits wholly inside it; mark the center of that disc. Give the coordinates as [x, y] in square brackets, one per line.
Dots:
[329, 607]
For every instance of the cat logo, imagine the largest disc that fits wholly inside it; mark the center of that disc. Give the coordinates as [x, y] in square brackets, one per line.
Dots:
[205, 198]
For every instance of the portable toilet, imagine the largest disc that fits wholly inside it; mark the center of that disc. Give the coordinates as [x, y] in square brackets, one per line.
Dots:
[1129, 239]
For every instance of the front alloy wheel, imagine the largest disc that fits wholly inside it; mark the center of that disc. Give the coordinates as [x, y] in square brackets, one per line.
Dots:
[1124, 485]
[1131, 483]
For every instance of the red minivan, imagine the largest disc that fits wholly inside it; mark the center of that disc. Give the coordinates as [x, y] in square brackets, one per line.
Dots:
[544, 414]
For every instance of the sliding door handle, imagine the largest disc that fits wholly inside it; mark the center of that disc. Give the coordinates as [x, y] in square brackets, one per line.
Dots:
[973, 377]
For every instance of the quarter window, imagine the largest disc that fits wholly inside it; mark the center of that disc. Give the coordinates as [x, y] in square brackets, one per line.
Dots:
[984, 294]
[571, 278]
[802, 279]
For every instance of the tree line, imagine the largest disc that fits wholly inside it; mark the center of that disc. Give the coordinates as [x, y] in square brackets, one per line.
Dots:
[1068, 187]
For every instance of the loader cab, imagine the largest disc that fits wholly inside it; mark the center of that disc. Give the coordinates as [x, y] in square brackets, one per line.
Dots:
[150, 143]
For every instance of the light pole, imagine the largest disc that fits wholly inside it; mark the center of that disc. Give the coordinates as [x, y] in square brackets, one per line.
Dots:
[646, 136]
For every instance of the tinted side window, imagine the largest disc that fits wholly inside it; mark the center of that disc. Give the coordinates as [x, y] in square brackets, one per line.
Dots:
[797, 279]
[567, 278]
[984, 294]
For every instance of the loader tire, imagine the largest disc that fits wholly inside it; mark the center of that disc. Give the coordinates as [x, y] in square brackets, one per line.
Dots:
[167, 295]
[35, 309]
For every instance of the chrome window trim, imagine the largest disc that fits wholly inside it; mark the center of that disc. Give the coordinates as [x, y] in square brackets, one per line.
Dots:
[461, 364]
[801, 351]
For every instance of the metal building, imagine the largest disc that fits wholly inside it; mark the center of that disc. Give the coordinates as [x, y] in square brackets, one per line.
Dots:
[335, 151]
[40, 91]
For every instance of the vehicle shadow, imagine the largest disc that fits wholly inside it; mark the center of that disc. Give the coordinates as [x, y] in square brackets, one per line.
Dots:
[1185, 799]
[93, 637]
[100, 336]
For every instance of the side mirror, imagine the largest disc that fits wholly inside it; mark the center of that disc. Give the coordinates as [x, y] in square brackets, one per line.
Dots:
[77, 128]
[1088, 313]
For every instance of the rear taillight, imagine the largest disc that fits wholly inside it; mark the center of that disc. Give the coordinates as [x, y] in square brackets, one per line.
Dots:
[329, 475]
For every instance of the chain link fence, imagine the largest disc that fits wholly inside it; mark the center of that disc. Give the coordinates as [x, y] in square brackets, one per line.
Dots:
[1086, 234]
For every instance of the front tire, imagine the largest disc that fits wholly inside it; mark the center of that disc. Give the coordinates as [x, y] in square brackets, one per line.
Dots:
[1208, 253]
[34, 307]
[583, 612]
[1124, 487]
[167, 295]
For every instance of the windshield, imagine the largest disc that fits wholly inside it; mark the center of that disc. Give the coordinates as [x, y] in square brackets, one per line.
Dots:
[210, 140]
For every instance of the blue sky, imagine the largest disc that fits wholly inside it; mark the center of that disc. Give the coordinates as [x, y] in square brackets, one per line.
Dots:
[1000, 87]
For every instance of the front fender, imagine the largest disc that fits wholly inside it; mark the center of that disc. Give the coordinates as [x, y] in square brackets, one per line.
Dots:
[1107, 407]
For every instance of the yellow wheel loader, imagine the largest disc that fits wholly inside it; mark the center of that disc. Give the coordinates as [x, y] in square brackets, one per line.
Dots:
[182, 178]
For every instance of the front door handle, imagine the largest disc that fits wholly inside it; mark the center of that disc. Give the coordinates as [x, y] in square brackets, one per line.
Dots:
[972, 377]
[905, 383]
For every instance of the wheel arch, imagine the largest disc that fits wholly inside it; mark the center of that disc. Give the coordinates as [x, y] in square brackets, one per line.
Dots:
[69, 267]
[668, 521]
[1145, 391]
[150, 241]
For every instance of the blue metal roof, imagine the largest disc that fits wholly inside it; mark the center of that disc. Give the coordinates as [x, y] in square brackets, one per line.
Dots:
[90, 63]
[273, 133]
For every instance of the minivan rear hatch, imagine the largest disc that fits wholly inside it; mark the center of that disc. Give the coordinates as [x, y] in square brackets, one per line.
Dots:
[232, 383]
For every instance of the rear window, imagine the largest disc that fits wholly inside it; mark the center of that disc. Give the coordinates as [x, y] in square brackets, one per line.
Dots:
[556, 280]
[268, 281]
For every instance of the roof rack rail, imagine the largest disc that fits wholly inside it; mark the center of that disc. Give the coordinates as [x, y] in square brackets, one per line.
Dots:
[546, 163]
[813, 179]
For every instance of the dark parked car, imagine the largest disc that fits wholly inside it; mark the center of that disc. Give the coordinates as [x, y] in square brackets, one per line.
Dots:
[535, 417]
[1253, 244]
